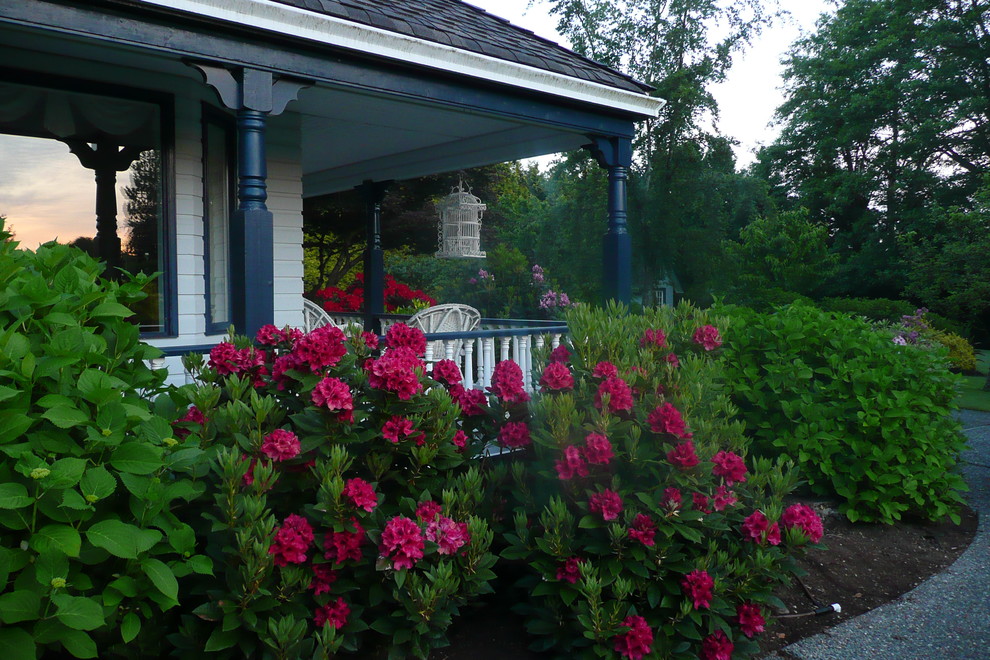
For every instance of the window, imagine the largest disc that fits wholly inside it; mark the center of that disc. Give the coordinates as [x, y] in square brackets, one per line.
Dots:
[87, 168]
[218, 202]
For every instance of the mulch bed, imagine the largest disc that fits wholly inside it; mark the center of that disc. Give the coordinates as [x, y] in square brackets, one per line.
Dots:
[864, 565]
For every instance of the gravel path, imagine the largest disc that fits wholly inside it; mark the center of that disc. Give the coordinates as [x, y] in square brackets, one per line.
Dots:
[947, 617]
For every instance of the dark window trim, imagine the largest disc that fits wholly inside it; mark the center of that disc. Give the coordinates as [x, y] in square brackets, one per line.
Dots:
[216, 117]
[166, 104]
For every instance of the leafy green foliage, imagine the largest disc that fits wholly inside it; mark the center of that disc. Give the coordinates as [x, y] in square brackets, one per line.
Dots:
[784, 251]
[90, 497]
[589, 571]
[864, 418]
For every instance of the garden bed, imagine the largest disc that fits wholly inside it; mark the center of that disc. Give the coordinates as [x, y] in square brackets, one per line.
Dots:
[864, 566]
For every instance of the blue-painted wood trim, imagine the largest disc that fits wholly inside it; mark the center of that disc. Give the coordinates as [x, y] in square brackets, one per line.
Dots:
[615, 155]
[144, 27]
[166, 105]
[212, 116]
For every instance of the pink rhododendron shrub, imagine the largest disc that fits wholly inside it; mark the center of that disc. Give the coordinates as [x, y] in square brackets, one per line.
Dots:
[344, 498]
[644, 522]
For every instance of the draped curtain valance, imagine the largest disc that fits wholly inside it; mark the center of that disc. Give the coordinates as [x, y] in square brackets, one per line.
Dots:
[64, 115]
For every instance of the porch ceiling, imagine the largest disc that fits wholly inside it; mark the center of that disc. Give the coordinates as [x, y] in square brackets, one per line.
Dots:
[350, 137]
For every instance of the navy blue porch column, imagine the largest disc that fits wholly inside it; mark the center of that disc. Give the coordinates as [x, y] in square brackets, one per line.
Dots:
[374, 256]
[615, 155]
[254, 95]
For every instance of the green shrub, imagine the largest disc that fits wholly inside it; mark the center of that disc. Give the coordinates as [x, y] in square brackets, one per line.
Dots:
[886, 310]
[962, 355]
[343, 497]
[864, 418]
[90, 479]
[639, 537]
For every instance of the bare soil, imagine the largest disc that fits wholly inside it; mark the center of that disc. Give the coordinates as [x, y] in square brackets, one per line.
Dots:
[863, 566]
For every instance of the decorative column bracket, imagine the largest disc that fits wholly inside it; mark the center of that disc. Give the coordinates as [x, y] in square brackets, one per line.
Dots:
[373, 193]
[254, 95]
[615, 155]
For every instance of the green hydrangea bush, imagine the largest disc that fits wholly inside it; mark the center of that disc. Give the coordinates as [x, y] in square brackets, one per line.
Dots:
[866, 418]
[92, 481]
[645, 528]
[344, 495]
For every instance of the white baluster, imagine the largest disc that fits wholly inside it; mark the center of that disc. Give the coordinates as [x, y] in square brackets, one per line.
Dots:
[505, 347]
[541, 341]
[429, 351]
[527, 363]
[488, 356]
[448, 345]
[468, 364]
[554, 340]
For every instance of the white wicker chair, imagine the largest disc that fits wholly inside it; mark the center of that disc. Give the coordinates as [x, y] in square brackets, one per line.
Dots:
[314, 316]
[452, 317]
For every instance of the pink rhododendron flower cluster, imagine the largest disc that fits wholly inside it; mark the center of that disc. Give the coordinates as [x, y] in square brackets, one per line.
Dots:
[361, 494]
[724, 498]
[750, 619]
[401, 335]
[472, 402]
[619, 395]
[667, 419]
[321, 348]
[729, 466]
[370, 340]
[701, 502]
[716, 647]
[605, 370]
[560, 354]
[672, 499]
[757, 529]
[607, 502]
[428, 510]
[396, 371]
[643, 530]
[450, 536]
[803, 517]
[569, 570]
[323, 578]
[597, 449]
[333, 613]
[514, 435]
[653, 339]
[402, 542]
[447, 372]
[398, 428]
[334, 395]
[507, 382]
[682, 456]
[572, 464]
[637, 642]
[698, 585]
[557, 377]
[342, 546]
[269, 335]
[672, 360]
[193, 416]
[292, 541]
[708, 337]
[460, 440]
[227, 359]
[280, 445]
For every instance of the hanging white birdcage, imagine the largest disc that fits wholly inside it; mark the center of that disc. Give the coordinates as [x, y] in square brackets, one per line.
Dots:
[460, 224]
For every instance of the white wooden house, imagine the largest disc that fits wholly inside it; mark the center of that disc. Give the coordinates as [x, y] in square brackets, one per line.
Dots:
[235, 110]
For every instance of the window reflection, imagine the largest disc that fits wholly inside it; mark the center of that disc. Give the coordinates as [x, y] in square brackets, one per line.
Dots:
[86, 170]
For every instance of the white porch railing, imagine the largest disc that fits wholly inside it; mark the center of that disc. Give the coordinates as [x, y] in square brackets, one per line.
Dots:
[475, 352]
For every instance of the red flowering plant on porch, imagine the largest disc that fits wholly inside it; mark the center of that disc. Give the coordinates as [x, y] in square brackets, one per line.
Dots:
[399, 298]
[648, 531]
[344, 514]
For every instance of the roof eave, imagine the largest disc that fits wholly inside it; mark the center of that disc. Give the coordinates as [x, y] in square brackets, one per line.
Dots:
[311, 26]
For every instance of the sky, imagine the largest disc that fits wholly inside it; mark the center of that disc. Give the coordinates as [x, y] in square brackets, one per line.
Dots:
[751, 93]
